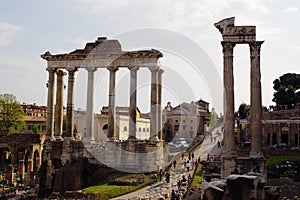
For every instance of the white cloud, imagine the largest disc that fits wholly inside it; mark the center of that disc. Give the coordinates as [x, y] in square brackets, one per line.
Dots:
[291, 9]
[7, 32]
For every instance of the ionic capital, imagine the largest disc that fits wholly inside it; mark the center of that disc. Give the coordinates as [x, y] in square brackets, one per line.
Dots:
[91, 69]
[133, 68]
[60, 72]
[154, 68]
[161, 71]
[72, 69]
[51, 69]
[112, 68]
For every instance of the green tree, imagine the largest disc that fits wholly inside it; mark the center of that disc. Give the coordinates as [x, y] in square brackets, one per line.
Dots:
[213, 118]
[287, 89]
[35, 128]
[244, 111]
[11, 115]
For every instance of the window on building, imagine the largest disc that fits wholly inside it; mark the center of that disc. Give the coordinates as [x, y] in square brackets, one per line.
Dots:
[144, 129]
[191, 121]
[183, 127]
[140, 129]
[125, 129]
[183, 121]
[191, 128]
[147, 129]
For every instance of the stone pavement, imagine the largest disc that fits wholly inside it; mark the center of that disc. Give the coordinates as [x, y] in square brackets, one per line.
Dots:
[160, 189]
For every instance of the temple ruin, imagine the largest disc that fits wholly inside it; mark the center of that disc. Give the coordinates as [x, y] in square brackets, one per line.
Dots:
[132, 155]
[233, 35]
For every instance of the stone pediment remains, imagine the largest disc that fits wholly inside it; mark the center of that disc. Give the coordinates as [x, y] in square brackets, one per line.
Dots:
[236, 34]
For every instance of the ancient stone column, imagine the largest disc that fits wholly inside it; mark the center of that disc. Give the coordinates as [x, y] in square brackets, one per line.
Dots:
[132, 108]
[21, 169]
[255, 111]
[89, 137]
[59, 105]
[70, 103]
[154, 103]
[229, 96]
[50, 104]
[30, 165]
[159, 112]
[112, 101]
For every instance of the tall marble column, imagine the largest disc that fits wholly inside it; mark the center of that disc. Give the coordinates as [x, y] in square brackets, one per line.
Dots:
[154, 102]
[256, 108]
[89, 137]
[159, 112]
[112, 101]
[132, 108]
[59, 105]
[50, 104]
[70, 103]
[229, 96]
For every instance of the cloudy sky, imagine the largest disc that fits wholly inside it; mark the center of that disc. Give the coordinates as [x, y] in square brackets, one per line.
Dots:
[182, 30]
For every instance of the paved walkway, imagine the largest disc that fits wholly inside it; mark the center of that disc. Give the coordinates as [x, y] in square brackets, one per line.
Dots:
[159, 189]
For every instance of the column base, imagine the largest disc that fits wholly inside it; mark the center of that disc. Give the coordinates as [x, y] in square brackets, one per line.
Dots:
[255, 154]
[88, 141]
[132, 138]
[58, 138]
[154, 139]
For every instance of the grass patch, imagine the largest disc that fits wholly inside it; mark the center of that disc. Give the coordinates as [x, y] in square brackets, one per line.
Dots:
[197, 181]
[105, 191]
[278, 159]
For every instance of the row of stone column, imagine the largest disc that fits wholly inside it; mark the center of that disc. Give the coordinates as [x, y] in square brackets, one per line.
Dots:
[255, 111]
[55, 132]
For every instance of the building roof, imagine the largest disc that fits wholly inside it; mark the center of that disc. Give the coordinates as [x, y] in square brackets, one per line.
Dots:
[35, 118]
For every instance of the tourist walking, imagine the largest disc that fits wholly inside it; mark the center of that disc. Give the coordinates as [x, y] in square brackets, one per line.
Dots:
[188, 165]
[168, 177]
[174, 164]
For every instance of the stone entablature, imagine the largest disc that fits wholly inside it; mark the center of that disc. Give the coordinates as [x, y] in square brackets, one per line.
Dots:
[106, 54]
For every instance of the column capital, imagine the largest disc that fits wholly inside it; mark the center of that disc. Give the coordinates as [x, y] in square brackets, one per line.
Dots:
[72, 69]
[133, 68]
[112, 68]
[60, 72]
[51, 69]
[91, 69]
[228, 48]
[255, 47]
[154, 68]
[161, 71]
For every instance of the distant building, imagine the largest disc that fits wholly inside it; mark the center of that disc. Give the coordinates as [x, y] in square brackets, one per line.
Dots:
[185, 120]
[280, 126]
[35, 116]
[121, 121]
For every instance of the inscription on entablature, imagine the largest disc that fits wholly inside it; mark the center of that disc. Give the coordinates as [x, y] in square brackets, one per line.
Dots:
[239, 34]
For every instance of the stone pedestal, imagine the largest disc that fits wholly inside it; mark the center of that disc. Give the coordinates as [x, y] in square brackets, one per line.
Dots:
[228, 163]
